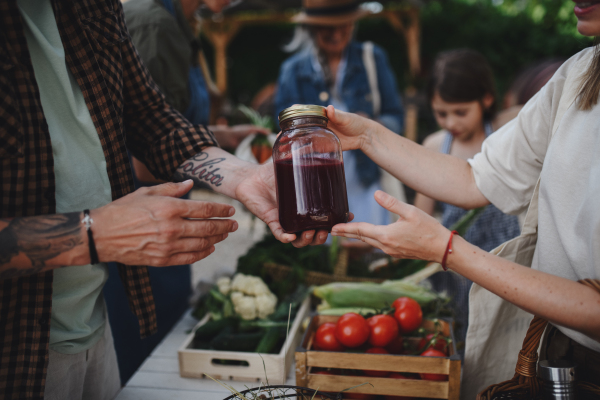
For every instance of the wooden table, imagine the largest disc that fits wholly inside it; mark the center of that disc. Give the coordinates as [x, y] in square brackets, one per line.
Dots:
[158, 377]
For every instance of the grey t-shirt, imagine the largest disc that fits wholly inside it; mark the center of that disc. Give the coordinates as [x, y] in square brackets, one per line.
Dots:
[511, 161]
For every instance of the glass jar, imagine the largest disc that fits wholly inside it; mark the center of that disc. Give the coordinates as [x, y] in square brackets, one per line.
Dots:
[309, 169]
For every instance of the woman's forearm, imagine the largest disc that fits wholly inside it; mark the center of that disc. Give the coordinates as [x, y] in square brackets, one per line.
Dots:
[439, 176]
[561, 301]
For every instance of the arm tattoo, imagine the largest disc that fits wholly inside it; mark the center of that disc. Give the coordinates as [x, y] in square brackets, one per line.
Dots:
[201, 170]
[40, 239]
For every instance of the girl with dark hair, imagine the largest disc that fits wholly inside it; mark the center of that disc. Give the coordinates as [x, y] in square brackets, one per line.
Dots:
[462, 96]
[544, 161]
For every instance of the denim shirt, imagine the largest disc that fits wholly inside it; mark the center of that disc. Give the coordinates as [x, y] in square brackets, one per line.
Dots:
[299, 83]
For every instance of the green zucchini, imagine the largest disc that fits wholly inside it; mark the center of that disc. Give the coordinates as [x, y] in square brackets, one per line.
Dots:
[229, 341]
[206, 332]
[269, 341]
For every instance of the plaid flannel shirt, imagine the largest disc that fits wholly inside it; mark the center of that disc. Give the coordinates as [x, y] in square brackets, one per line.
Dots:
[129, 113]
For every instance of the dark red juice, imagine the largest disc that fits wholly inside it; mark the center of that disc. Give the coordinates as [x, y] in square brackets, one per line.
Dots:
[311, 194]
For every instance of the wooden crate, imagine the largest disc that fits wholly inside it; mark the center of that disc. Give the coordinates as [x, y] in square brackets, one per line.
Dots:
[307, 359]
[195, 363]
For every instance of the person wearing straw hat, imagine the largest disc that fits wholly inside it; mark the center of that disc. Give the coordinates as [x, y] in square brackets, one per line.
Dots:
[332, 68]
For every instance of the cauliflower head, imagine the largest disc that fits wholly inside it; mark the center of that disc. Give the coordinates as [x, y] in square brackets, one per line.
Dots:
[247, 284]
[244, 306]
[224, 285]
[251, 297]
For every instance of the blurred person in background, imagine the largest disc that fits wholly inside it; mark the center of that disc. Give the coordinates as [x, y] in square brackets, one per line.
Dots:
[163, 34]
[527, 83]
[332, 68]
[462, 96]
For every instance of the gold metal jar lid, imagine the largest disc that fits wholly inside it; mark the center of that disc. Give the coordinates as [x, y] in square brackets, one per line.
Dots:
[302, 110]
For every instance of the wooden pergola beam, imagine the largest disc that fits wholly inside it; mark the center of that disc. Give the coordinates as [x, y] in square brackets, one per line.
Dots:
[405, 21]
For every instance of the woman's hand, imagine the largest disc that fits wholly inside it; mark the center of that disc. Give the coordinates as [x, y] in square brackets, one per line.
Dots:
[352, 129]
[415, 235]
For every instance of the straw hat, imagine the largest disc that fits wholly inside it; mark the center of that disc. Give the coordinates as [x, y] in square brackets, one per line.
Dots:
[329, 12]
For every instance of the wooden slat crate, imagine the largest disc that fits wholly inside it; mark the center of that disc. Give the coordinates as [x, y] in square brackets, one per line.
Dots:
[307, 359]
[195, 363]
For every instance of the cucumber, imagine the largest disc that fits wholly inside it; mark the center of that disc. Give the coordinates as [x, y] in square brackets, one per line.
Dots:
[269, 341]
[229, 341]
[206, 332]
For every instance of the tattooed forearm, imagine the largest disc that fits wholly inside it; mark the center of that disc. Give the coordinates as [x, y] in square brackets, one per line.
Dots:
[201, 170]
[40, 239]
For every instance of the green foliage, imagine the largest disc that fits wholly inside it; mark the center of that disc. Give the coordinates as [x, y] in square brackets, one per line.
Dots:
[257, 119]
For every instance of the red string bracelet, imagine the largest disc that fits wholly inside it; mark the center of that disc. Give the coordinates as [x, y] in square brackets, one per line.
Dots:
[448, 250]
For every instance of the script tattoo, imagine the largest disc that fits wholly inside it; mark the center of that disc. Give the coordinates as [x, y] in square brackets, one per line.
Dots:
[201, 170]
[40, 239]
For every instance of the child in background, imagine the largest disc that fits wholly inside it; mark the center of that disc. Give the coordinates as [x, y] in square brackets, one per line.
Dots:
[463, 99]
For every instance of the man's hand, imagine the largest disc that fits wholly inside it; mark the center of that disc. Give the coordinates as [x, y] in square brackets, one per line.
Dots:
[257, 193]
[151, 226]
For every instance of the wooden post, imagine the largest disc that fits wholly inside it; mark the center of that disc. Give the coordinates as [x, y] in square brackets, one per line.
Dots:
[220, 35]
[412, 34]
[411, 113]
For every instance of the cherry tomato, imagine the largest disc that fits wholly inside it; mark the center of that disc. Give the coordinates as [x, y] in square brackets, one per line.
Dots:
[396, 375]
[396, 346]
[408, 314]
[433, 377]
[440, 343]
[380, 374]
[384, 329]
[325, 338]
[352, 330]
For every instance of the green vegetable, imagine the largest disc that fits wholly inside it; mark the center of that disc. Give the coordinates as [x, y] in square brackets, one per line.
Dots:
[256, 119]
[212, 328]
[269, 341]
[229, 341]
[371, 295]
[343, 310]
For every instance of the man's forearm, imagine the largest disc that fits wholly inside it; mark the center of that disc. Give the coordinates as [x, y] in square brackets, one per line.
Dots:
[426, 171]
[215, 169]
[29, 245]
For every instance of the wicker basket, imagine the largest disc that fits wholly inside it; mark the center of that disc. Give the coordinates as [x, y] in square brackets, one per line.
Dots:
[525, 385]
[282, 272]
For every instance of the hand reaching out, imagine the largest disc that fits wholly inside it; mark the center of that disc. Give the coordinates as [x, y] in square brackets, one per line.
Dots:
[352, 129]
[151, 226]
[415, 235]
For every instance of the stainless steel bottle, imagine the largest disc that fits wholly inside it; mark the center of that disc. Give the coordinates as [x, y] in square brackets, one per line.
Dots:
[558, 379]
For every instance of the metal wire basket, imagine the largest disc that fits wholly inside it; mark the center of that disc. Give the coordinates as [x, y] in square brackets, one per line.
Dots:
[276, 392]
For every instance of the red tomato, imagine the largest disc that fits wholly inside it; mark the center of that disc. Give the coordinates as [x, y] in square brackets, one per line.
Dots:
[379, 374]
[396, 375]
[352, 330]
[408, 314]
[325, 338]
[440, 343]
[384, 329]
[396, 346]
[433, 377]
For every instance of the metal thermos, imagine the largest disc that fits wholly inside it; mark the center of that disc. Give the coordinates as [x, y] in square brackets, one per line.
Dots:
[558, 379]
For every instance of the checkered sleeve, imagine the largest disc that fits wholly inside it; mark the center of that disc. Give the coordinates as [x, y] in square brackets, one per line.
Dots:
[156, 133]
